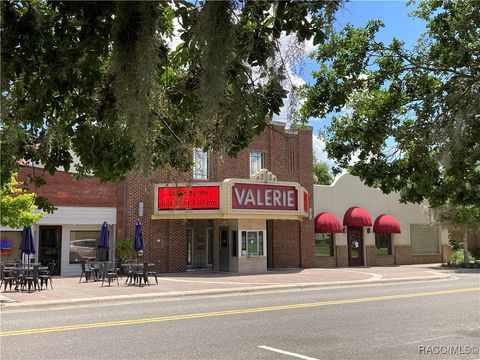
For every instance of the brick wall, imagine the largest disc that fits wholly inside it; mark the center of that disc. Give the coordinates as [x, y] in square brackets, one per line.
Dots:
[293, 241]
[403, 255]
[62, 189]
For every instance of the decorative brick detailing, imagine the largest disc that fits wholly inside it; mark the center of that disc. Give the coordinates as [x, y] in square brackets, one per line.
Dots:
[385, 260]
[325, 261]
[342, 255]
[371, 252]
[426, 259]
[403, 255]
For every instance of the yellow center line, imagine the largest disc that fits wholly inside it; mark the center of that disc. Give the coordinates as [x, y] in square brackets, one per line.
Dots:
[230, 312]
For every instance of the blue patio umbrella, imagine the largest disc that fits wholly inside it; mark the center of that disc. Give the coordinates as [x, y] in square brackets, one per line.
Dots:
[138, 241]
[27, 245]
[103, 243]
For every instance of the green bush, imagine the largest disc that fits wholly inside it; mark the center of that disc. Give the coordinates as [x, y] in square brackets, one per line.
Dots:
[457, 259]
[124, 248]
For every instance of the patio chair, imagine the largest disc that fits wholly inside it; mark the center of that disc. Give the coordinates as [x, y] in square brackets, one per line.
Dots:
[150, 272]
[86, 271]
[9, 278]
[109, 272]
[46, 275]
[31, 280]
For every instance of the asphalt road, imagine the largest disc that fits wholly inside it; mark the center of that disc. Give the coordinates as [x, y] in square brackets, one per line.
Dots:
[421, 320]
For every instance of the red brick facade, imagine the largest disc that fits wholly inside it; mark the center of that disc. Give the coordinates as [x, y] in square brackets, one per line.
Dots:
[288, 155]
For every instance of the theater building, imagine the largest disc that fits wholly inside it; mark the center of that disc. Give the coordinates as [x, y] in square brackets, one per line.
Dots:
[356, 225]
[242, 214]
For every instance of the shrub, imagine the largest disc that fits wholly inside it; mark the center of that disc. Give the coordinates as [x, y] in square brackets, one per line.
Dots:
[124, 248]
[457, 259]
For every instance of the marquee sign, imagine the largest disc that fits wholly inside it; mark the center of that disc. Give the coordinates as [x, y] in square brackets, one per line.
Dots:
[251, 196]
[188, 198]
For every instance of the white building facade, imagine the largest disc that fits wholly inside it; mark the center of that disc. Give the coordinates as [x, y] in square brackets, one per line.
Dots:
[356, 225]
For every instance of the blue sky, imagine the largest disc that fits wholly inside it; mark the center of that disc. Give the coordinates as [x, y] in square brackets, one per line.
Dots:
[398, 24]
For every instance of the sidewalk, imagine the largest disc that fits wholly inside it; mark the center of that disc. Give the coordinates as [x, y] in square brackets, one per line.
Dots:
[68, 292]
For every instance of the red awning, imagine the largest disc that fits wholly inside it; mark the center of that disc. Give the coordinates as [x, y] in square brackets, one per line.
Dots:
[357, 216]
[386, 224]
[327, 223]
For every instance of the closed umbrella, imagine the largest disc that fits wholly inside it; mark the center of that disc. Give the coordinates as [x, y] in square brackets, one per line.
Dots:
[103, 243]
[27, 246]
[138, 241]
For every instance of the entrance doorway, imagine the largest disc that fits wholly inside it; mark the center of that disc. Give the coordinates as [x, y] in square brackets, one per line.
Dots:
[50, 246]
[355, 246]
[199, 239]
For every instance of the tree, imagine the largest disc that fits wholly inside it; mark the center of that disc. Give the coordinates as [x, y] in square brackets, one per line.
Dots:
[17, 207]
[101, 79]
[410, 117]
[321, 173]
[459, 217]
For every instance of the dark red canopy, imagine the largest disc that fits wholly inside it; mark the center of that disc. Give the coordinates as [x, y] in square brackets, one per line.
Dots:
[386, 224]
[357, 216]
[326, 222]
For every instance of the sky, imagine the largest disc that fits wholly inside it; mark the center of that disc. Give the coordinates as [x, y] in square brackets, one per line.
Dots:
[394, 15]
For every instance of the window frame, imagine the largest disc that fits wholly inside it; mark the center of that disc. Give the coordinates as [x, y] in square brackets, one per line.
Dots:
[201, 158]
[243, 242]
[332, 244]
[422, 231]
[383, 237]
[95, 249]
[261, 155]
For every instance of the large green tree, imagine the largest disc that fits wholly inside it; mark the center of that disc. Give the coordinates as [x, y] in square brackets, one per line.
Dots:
[406, 120]
[101, 79]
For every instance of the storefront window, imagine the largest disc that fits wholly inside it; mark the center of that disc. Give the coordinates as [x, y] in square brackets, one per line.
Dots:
[324, 244]
[383, 243]
[9, 248]
[252, 243]
[83, 246]
[256, 162]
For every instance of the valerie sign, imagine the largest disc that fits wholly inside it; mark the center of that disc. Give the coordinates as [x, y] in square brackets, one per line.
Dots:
[264, 197]
[183, 198]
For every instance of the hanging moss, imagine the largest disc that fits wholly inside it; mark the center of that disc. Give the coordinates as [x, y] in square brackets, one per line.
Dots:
[134, 64]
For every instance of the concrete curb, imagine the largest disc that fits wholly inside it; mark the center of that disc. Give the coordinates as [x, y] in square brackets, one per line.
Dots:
[182, 295]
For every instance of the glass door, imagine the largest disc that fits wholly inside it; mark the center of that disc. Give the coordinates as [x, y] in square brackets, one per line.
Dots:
[355, 246]
[50, 246]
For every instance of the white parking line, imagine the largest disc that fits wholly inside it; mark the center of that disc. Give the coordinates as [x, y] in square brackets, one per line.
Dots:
[299, 356]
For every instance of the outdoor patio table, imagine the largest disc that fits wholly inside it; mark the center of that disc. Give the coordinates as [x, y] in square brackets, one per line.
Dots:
[95, 267]
[136, 275]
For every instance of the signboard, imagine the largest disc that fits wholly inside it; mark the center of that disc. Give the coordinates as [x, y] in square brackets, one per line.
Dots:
[264, 197]
[188, 198]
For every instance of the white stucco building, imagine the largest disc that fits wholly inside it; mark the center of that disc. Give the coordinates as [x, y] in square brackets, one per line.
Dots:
[357, 225]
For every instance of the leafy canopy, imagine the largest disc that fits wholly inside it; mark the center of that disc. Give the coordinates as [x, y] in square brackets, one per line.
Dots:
[103, 81]
[17, 207]
[321, 173]
[406, 120]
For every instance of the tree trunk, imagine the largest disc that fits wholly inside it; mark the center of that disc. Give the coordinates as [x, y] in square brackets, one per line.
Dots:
[466, 260]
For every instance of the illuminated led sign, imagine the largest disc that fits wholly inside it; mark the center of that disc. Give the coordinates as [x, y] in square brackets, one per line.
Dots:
[188, 198]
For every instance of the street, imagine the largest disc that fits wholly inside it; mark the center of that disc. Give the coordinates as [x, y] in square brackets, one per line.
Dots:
[416, 320]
